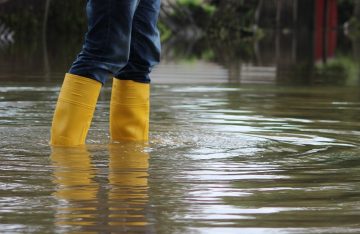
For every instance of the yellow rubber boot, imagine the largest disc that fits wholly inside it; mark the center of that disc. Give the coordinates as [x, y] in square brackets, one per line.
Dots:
[129, 111]
[74, 110]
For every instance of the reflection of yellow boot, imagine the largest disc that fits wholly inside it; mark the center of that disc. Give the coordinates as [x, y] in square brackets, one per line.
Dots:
[129, 111]
[73, 174]
[128, 177]
[74, 110]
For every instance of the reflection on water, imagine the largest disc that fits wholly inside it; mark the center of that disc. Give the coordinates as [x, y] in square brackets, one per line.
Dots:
[128, 178]
[279, 57]
[222, 159]
[87, 203]
[74, 177]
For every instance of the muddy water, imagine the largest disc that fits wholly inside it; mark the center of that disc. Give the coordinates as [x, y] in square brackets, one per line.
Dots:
[222, 159]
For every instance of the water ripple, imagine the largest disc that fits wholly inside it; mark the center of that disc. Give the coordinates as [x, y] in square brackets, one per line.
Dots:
[222, 159]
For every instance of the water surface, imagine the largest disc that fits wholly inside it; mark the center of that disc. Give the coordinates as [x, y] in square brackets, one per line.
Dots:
[222, 159]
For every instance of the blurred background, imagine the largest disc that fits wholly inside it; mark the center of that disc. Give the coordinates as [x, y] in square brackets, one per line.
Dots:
[302, 42]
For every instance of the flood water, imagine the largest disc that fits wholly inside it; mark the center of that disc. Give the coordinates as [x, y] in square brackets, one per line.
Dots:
[223, 158]
[246, 137]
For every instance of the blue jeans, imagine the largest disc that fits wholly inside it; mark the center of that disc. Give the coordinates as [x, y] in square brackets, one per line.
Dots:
[122, 40]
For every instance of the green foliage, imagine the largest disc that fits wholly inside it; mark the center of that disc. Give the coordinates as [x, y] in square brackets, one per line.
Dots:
[231, 32]
[226, 28]
[196, 4]
[339, 70]
[354, 28]
[165, 32]
[188, 13]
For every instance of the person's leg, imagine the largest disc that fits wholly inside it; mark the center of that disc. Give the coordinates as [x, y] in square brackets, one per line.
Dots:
[129, 108]
[107, 43]
[105, 52]
[145, 43]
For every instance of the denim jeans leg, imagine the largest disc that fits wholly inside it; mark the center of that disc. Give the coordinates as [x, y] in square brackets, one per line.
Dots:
[106, 48]
[145, 43]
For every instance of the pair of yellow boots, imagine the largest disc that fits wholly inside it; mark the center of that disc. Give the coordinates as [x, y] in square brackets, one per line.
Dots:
[129, 111]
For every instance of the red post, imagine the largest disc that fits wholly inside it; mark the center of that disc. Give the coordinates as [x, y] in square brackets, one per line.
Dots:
[326, 19]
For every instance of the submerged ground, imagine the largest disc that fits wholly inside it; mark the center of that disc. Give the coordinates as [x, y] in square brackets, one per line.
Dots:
[223, 158]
